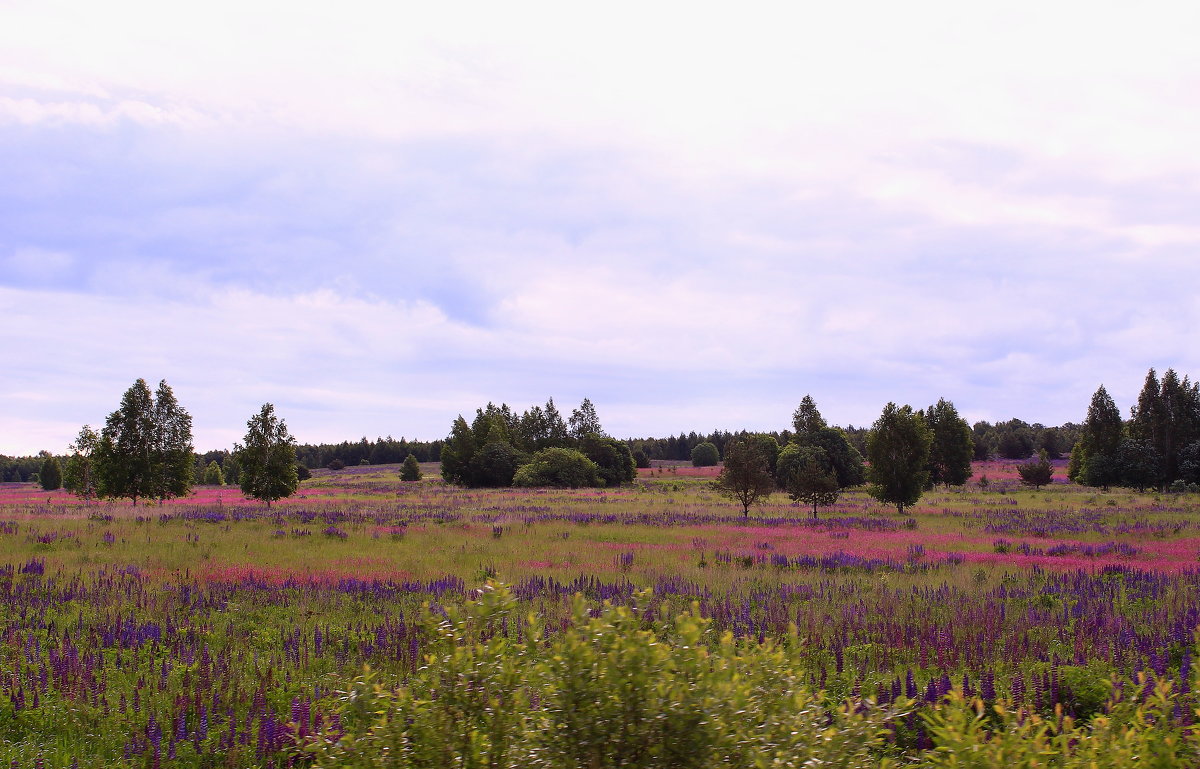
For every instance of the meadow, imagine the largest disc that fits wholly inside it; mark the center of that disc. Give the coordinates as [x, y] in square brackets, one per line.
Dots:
[211, 631]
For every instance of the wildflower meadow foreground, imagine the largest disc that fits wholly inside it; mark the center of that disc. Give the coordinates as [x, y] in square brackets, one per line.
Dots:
[370, 622]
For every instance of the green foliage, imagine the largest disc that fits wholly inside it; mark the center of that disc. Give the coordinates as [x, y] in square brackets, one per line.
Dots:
[302, 472]
[267, 461]
[1094, 458]
[952, 448]
[1139, 464]
[807, 475]
[612, 690]
[640, 459]
[705, 455]
[898, 451]
[495, 464]
[558, 467]
[1037, 473]
[457, 453]
[145, 448]
[1167, 416]
[811, 430]
[50, 476]
[410, 471]
[746, 476]
[611, 456]
[213, 475]
[584, 421]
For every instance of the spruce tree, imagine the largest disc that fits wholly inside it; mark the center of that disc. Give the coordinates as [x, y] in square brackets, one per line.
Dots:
[410, 470]
[1094, 458]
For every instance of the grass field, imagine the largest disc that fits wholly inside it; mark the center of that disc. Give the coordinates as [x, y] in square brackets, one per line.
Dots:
[209, 630]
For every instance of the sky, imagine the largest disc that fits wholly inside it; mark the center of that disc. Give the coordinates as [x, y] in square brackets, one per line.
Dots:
[379, 216]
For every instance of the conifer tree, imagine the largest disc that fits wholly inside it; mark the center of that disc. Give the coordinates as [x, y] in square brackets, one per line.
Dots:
[50, 474]
[1094, 458]
[410, 470]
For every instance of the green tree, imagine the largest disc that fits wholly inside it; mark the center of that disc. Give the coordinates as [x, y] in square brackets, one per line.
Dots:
[584, 421]
[746, 476]
[267, 460]
[1167, 415]
[611, 456]
[898, 452]
[410, 470]
[807, 475]
[50, 474]
[79, 477]
[1037, 473]
[1139, 464]
[213, 475]
[145, 448]
[1094, 457]
[812, 430]
[952, 448]
[558, 467]
[302, 472]
[457, 452]
[495, 464]
[705, 455]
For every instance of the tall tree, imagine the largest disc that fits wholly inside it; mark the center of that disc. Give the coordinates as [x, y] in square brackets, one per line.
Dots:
[171, 446]
[898, 452]
[79, 478]
[213, 475]
[807, 475]
[125, 460]
[267, 461]
[746, 476]
[50, 474]
[584, 421]
[811, 430]
[457, 453]
[1167, 415]
[952, 448]
[1094, 458]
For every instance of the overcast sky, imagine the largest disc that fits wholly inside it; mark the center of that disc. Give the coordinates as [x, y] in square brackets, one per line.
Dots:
[379, 216]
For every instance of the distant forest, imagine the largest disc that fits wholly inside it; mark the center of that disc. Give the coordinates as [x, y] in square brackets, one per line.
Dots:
[1014, 439]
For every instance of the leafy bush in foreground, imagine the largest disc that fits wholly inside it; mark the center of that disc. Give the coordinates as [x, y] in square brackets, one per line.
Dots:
[618, 688]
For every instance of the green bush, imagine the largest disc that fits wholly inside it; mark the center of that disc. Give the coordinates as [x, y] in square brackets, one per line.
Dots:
[562, 468]
[705, 455]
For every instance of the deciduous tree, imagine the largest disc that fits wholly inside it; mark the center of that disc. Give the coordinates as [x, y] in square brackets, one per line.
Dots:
[746, 476]
[952, 448]
[705, 455]
[898, 452]
[145, 448]
[50, 474]
[807, 475]
[267, 460]
[79, 477]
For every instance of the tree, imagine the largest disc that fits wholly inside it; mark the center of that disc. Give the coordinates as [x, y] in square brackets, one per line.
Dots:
[807, 475]
[79, 478]
[898, 452]
[746, 476]
[952, 448]
[1139, 464]
[457, 453]
[1167, 415]
[584, 421]
[812, 430]
[1036, 473]
[769, 447]
[410, 470]
[641, 459]
[267, 460]
[302, 472]
[611, 456]
[213, 475]
[705, 455]
[1094, 457]
[50, 474]
[495, 464]
[145, 448]
[558, 467]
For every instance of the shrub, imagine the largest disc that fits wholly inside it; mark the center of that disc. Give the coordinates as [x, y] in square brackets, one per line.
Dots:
[705, 455]
[562, 468]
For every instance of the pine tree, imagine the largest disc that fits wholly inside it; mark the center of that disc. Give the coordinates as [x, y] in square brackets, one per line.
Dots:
[1037, 473]
[267, 461]
[898, 452]
[584, 421]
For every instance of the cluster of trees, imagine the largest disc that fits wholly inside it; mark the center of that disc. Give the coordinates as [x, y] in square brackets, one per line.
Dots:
[145, 451]
[909, 451]
[535, 448]
[1158, 446]
[381, 451]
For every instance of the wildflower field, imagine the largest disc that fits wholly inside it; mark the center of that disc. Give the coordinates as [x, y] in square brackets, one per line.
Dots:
[212, 631]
